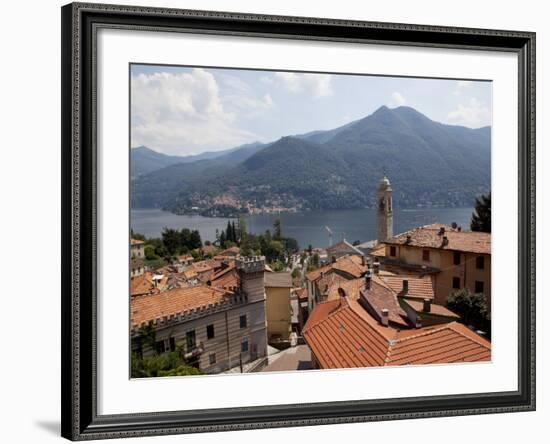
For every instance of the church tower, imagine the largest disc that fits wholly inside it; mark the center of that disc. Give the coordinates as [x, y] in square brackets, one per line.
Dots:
[385, 210]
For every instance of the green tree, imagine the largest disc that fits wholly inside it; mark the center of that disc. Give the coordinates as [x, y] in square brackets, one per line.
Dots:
[150, 254]
[315, 259]
[277, 229]
[296, 273]
[171, 239]
[481, 218]
[472, 307]
[164, 364]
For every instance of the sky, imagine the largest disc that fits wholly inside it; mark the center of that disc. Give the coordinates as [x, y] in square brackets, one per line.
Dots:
[186, 110]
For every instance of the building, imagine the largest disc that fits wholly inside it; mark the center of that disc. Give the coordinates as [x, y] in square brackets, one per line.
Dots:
[319, 281]
[370, 324]
[342, 248]
[385, 210]
[216, 329]
[137, 257]
[456, 258]
[278, 307]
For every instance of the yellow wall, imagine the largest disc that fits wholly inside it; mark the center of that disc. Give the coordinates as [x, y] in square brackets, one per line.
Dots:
[444, 261]
[278, 312]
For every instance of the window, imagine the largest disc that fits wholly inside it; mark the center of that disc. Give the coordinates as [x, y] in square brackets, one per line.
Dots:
[160, 347]
[190, 339]
[210, 331]
[456, 282]
[212, 358]
[426, 255]
[242, 321]
[479, 286]
[244, 346]
[456, 258]
[480, 262]
[172, 344]
[393, 251]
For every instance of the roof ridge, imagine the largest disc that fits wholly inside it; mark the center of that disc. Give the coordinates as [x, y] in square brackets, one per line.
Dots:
[422, 333]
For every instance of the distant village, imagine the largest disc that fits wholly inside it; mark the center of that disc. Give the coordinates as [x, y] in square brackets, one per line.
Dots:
[418, 297]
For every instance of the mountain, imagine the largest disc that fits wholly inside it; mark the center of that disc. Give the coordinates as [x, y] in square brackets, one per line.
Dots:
[429, 164]
[145, 160]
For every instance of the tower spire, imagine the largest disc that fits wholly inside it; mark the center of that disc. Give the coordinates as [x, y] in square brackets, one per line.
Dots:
[385, 209]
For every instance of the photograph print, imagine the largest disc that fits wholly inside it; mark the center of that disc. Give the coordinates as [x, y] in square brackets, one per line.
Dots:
[302, 221]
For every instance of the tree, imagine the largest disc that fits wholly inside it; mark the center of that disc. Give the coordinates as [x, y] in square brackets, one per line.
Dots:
[315, 260]
[164, 364]
[472, 307]
[277, 229]
[172, 240]
[296, 273]
[150, 254]
[242, 229]
[481, 218]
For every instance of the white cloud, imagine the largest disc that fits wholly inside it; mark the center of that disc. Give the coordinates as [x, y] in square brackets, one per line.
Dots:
[472, 114]
[317, 85]
[464, 83]
[396, 100]
[182, 113]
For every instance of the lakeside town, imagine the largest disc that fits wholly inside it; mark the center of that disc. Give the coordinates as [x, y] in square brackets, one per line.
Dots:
[259, 303]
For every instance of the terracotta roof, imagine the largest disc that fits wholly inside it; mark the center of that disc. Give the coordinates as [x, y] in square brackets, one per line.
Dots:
[435, 309]
[420, 287]
[280, 279]
[343, 247]
[231, 251]
[144, 284]
[208, 249]
[136, 242]
[349, 264]
[379, 297]
[150, 307]
[342, 334]
[226, 278]
[329, 280]
[429, 236]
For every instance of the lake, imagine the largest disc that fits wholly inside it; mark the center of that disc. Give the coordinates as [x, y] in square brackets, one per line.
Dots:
[307, 228]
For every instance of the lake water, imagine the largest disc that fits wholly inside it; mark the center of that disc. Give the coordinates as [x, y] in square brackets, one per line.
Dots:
[308, 228]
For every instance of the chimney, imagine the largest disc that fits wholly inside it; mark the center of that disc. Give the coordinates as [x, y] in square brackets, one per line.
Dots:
[363, 261]
[409, 238]
[459, 228]
[333, 259]
[384, 317]
[445, 241]
[405, 285]
[376, 266]
[427, 305]
[441, 231]
[367, 279]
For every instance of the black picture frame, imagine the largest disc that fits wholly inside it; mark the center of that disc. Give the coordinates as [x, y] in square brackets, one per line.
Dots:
[80, 22]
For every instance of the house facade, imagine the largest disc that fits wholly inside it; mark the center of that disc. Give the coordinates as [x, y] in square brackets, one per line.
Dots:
[278, 307]
[216, 329]
[457, 259]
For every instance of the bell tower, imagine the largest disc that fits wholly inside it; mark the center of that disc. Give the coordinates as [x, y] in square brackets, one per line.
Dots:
[385, 210]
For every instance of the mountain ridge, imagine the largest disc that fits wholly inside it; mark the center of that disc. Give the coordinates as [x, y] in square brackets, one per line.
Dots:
[429, 164]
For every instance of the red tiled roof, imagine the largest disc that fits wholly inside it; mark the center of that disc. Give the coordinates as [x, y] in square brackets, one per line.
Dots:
[428, 237]
[380, 297]
[150, 307]
[350, 264]
[144, 284]
[342, 334]
[435, 309]
[226, 278]
[420, 287]
[136, 242]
